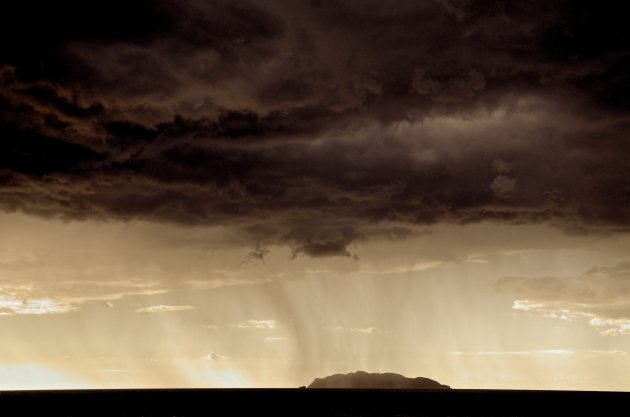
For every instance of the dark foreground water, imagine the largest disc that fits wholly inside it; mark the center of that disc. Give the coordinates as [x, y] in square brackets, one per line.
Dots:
[310, 402]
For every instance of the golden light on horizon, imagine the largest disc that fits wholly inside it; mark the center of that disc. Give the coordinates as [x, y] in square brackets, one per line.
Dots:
[443, 313]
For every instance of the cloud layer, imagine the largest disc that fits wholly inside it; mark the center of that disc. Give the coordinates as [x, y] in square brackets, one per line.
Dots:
[312, 134]
[601, 296]
[162, 308]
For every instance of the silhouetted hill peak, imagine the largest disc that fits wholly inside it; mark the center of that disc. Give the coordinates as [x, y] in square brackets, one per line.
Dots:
[362, 379]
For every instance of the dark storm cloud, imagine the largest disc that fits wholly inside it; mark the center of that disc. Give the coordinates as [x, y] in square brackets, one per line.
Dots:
[308, 124]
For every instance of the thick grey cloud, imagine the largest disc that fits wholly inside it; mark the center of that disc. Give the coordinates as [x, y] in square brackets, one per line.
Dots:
[306, 123]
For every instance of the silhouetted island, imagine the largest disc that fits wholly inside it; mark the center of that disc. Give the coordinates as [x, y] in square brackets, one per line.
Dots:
[362, 379]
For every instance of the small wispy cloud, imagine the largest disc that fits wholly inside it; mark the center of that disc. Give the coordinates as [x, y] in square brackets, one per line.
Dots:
[10, 307]
[275, 339]
[164, 309]
[417, 267]
[366, 330]
[606, 352]
[545, 352]
[213, 356]
[112, 371]
[363, 330]
[257, 324]
[210, 326]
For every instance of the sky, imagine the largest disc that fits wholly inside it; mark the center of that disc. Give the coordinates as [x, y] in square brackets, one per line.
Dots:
[260, 193]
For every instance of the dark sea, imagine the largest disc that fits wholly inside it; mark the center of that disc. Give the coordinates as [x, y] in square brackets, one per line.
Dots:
[311, 402]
